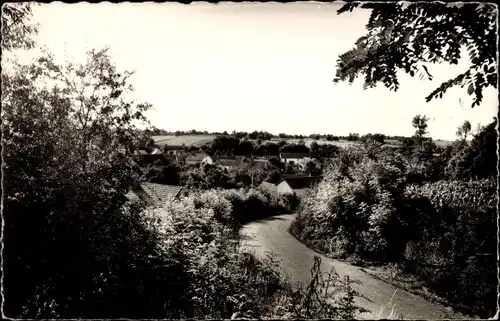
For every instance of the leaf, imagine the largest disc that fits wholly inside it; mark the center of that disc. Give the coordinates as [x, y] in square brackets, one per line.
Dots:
[470, 90]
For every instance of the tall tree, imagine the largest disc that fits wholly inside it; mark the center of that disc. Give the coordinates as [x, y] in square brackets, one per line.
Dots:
[402, 36]
[69, 241]
[463, 130]
[420, 124]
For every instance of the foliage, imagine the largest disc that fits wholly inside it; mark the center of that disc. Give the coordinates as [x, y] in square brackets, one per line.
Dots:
[384, 206]
[420, 124]
[70, 239]
[478, 159]
[402, 36]
[17, 31]
[225, 282]
[455, 246]
[464, 130]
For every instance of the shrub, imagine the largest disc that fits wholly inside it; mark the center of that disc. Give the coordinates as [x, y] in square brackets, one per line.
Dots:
[224, 282]
[456, 240]
[387, 208]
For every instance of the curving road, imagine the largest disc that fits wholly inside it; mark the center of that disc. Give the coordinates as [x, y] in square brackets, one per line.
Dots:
[272, 235]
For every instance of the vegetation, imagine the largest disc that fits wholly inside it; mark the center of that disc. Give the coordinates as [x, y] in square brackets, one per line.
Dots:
[76, 247]
[407, 37]
[431, 211]
[16, 31]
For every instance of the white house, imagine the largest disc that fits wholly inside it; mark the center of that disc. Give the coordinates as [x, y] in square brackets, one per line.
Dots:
[293, 157]
[297, 185]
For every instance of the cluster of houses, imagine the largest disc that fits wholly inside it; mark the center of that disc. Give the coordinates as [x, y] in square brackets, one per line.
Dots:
[176, 154]
[153, 193]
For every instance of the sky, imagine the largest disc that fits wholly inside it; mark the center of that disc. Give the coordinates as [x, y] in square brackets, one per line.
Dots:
[254, 66]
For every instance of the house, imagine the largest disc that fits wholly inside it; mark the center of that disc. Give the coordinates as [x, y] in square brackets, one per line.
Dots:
[155, 194]
[293, 157]
[173, 149]
[297, 185]
[198, 158]
[142, 157]
[230, 161]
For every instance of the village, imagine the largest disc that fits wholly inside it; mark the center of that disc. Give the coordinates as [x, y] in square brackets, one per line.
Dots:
[297, 184]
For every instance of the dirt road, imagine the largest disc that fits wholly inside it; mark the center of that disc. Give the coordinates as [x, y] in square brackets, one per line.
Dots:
[297, 260]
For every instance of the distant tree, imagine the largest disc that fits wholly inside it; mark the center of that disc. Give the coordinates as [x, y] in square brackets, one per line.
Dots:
[402, 36]
[313, 146]
[271, 149]
[245, 147]
[380, 138]
[464, 130]
[420, 124]
[294, 148]
[225, 144]
[353, 137]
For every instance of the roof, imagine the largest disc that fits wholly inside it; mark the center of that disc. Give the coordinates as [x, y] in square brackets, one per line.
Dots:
[300, 182]
[259, 163]
[239, 160]
[267, 186]
[231, 161]
[226, 162]
[160, 192]
[294, 155]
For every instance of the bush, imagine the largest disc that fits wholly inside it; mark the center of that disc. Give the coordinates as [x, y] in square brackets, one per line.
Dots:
[478, 159]
[455, 245]
[224, 282]
[385, 208]
[354, 208]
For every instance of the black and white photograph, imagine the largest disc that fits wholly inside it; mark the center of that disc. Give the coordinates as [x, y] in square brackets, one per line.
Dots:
[249, 160]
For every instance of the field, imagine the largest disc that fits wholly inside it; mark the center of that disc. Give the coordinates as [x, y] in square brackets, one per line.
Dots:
[200, 140]
[308, 141]
[188, 140]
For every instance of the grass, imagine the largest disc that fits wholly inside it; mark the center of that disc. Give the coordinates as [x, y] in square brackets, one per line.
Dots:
[380, 314]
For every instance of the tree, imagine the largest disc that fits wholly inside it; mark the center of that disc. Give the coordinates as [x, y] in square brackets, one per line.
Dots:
[478, 159]
[313, 147]
[353, 137]
[402, 36]
[464, 130]
[420, 124]
[70, 239]
[17, 32]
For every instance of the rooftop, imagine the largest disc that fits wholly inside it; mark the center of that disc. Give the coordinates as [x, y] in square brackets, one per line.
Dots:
[300, 182]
